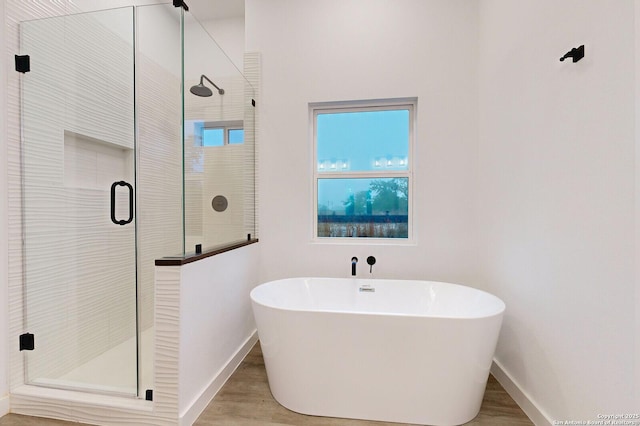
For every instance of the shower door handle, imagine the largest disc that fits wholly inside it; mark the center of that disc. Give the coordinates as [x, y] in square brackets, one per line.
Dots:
[113, 202]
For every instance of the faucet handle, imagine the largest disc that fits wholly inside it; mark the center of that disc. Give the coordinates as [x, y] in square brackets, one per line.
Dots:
[371, 261]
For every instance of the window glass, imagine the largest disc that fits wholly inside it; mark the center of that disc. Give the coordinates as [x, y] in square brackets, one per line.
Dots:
[375, 208]
[363, 141]
[213, 137]
[236, 136]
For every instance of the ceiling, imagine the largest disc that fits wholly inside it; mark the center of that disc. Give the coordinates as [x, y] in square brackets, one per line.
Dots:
[205, 10]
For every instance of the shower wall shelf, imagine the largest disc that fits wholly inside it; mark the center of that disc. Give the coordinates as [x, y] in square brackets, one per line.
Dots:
[194, 257]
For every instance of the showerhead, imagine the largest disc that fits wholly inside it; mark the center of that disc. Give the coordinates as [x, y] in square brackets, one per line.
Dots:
[202, 90]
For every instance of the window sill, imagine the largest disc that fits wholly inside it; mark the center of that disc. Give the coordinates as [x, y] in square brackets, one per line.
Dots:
[365, 241]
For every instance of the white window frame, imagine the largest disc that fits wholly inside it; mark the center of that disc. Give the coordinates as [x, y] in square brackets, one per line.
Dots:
[315, 109]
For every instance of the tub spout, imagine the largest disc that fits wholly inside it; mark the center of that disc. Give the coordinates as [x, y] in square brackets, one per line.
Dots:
[354, 261]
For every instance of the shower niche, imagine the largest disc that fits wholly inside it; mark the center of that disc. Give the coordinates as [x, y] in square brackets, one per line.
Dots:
[113, 178]
[95, 164]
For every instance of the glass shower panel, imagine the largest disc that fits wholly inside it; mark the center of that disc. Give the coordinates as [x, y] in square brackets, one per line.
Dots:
[78, 201]
[159, 166]
[218, 144]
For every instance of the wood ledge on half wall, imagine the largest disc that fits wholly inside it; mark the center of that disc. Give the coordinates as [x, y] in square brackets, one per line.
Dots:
[194, 257]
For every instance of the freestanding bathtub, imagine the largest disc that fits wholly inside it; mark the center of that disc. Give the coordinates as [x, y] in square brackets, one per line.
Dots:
[390, 350]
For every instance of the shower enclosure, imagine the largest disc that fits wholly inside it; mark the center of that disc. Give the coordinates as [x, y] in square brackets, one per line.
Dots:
[122, 165]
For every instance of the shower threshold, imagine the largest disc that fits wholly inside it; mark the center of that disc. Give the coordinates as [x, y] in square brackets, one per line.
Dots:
[84, 402]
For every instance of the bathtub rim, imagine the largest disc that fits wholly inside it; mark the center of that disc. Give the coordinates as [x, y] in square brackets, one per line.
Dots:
[499, 312]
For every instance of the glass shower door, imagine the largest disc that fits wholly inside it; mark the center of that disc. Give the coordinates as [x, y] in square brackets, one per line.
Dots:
[79, 162]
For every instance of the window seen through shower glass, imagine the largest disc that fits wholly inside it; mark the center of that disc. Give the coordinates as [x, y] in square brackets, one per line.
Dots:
[362, 169]
[223, 135]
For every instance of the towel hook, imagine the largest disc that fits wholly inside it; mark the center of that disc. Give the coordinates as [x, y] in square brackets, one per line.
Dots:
[576, 54]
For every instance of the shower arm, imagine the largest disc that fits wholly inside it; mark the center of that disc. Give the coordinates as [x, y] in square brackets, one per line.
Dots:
[220, 91]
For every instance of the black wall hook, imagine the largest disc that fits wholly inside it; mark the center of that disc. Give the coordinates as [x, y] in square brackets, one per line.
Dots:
[576, 53]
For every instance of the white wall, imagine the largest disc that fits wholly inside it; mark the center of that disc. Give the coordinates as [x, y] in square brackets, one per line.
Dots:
[4, 304]
[348, 50]
[525, 168]
[215, 319]
[556, 168]
[229, 35]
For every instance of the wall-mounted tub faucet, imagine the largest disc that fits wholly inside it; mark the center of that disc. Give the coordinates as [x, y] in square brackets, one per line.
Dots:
[354, 261]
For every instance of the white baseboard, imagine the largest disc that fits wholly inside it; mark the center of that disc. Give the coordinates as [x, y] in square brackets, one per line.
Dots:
[530, 408]
[191, 414]
[4, 405]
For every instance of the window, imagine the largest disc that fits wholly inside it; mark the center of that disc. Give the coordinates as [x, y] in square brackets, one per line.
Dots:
[362, 169]
[222, 133]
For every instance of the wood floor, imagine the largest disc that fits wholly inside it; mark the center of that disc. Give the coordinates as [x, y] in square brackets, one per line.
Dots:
[245, 400]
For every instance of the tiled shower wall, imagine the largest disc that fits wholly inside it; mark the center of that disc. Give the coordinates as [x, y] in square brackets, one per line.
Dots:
[159, 180]
[17, 11]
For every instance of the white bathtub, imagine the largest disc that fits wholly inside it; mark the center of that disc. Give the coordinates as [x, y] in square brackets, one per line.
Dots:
[410, 351]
